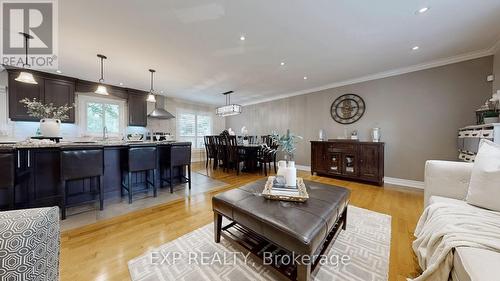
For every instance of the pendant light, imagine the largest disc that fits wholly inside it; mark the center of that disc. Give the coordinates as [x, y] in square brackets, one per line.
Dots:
[26, 77]
[151, 96]
[101, 89]
[228, 109]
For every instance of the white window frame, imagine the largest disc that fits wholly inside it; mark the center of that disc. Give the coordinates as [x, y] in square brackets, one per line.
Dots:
[83, 100]
[3, 108]
[195, 113]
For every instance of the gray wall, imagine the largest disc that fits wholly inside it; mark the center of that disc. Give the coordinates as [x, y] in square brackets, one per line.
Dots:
[496, 71]
[418, 113]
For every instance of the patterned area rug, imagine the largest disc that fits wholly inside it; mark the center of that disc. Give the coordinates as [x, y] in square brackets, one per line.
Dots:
[195, 256]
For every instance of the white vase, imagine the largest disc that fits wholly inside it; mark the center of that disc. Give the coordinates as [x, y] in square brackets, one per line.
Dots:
[291, 174]
[50, 127]
[281, 168]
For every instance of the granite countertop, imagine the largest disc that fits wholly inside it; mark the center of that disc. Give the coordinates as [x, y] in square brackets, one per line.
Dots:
[51, 144]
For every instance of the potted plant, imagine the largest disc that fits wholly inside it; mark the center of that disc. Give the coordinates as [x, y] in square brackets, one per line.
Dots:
[287, 168]
[50, 115]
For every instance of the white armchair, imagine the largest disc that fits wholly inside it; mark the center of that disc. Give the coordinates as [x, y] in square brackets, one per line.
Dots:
[446, 179]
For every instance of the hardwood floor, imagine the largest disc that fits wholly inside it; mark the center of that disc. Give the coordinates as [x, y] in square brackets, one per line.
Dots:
[101, 251]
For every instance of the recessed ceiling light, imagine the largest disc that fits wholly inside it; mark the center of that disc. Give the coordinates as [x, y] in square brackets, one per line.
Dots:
[161, 92]
[121, 84]
[423, 10]
[415, 48]
[58, 71]
[242, 38]
[305, 77]
[282, 63]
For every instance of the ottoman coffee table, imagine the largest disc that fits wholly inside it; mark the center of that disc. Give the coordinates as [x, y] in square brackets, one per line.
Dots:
[268, 227]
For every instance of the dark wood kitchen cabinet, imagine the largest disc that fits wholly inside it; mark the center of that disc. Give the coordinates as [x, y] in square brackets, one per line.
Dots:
[137, 109]
[58, 90]
[349, 159]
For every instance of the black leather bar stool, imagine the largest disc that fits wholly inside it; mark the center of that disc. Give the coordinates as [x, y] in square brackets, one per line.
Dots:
[7, 179]
[81, 163]
[176, 155]
[139, 158]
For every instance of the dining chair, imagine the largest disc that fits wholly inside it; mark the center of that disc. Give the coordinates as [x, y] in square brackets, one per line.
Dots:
[266, 156]
[221, 151]
[210, 150]
[233, 154]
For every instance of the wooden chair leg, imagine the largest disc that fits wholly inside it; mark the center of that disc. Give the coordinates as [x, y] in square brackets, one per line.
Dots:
[155, 189]
[189, 175]
[170, 180]
[101, 193]
[265, 168]
[63, 200]
[129, 181]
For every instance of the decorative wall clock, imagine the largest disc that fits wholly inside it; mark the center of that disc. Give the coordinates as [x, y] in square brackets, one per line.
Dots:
[347, 109]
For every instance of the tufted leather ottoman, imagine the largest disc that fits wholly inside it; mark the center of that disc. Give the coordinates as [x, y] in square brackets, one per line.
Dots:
[303, 229]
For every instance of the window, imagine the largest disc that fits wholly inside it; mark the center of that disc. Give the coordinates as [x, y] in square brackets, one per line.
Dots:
[97, 113]
[193, 127]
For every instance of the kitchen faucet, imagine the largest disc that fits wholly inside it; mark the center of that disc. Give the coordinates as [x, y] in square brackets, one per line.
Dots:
[104, 133]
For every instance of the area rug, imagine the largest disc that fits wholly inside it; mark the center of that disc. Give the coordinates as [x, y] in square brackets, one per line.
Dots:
[195, 256]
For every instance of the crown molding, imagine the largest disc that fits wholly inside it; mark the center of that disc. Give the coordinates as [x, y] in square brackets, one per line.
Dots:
[496, 47]
[394, 72]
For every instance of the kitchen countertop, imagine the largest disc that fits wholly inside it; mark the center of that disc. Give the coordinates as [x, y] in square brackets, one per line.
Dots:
[50, 144]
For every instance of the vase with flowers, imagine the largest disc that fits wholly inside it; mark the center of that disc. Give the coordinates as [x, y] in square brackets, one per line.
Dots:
[50, 115]
[287, 144]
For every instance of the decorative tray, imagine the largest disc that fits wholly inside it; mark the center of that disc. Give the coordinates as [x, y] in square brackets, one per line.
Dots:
[301, 195]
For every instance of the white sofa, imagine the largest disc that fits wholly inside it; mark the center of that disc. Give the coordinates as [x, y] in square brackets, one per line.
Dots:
[447, 181]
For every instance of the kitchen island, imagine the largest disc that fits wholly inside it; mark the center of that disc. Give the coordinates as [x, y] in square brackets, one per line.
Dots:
[37, 171]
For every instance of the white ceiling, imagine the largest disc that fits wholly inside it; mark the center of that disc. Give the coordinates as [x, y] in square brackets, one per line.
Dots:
[196, 49]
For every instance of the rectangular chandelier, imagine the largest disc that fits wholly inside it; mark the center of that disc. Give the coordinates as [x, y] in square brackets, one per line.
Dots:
[228, 110]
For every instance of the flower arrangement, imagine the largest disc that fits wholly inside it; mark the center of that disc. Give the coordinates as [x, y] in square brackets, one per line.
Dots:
[40, 110]
[286, 142]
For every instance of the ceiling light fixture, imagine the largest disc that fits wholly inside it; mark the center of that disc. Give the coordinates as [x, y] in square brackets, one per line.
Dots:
[415, 48]
[305, 77]
[101, 89]
[282, 63]
[121, 84]
[228, 109]
[242, 38]
[26, 77]
[58, 71]
[151, 95]
[423, 10]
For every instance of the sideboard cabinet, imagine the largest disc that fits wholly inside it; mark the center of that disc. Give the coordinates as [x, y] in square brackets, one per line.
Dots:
[353, 160]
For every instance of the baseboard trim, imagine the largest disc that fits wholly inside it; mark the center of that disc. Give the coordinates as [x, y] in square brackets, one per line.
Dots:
[404, 182]
[389, 180]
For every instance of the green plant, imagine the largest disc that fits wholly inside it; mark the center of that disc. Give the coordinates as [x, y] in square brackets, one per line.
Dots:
[490, 113]
[40, 110]
[286, 143]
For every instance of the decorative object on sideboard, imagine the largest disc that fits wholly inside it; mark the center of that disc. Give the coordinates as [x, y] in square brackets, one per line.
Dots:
[26, 77]
[228, 109]
[50, 115]
[354, 135]
[347, 109]
[287, 143]
[321, 135]
[151, 95]
[101, 89]
[376, 134]
[488, 112]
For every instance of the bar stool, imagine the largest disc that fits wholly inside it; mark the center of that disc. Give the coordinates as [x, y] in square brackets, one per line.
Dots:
[81, 163]
[139, 158]
[176, 155]
[7, 180]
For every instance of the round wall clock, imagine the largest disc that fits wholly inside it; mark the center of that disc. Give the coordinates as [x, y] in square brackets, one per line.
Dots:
[347, 109]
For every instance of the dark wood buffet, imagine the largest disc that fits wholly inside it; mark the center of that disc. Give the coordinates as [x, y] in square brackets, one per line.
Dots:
[353, 160]
[60, 90]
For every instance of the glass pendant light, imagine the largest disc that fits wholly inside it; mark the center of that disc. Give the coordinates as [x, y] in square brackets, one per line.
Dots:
[101, 89]
[151, 96]
[228, 109]
[26, 77]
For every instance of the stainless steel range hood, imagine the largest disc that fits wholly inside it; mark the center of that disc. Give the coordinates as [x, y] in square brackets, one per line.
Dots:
[159, 112]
